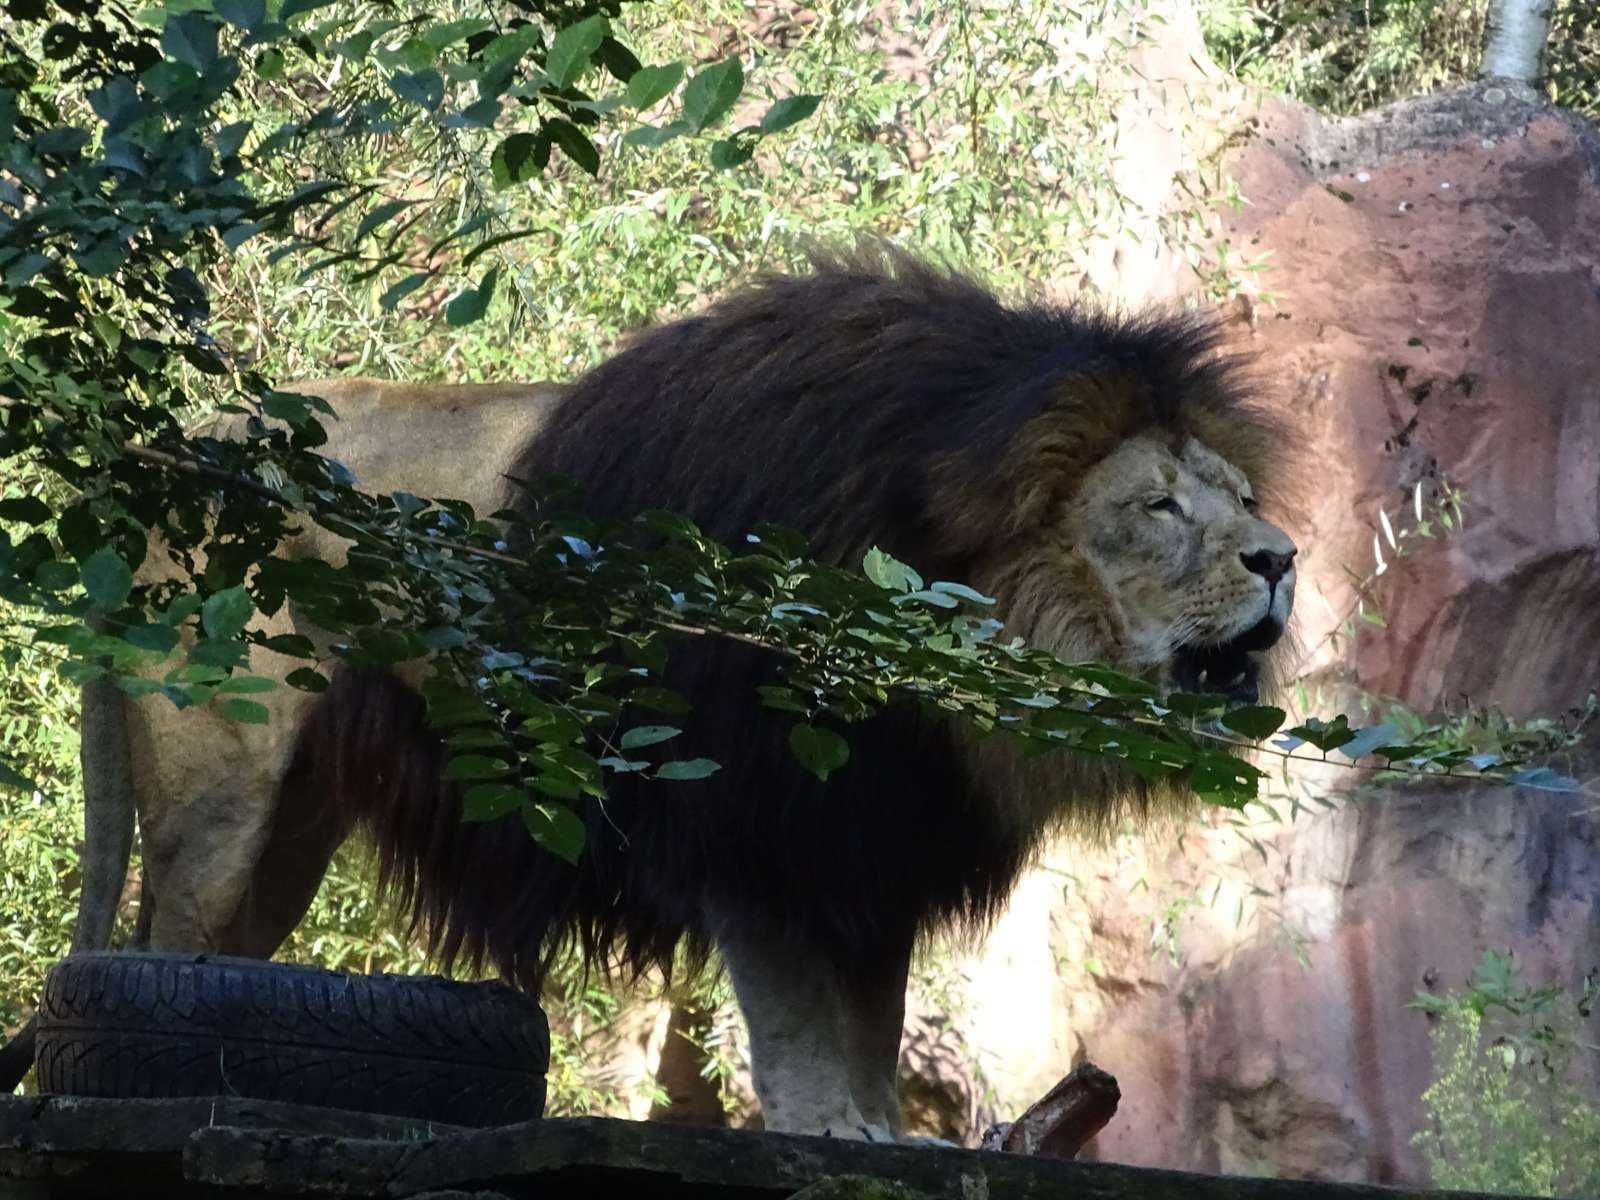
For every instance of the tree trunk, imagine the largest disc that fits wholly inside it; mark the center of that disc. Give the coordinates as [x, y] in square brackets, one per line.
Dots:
[1518, 30]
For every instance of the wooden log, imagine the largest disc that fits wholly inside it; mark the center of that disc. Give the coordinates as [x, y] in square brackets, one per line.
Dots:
[1059, 1125]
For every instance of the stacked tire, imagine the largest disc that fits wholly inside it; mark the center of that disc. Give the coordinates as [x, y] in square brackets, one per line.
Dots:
[145, 1025]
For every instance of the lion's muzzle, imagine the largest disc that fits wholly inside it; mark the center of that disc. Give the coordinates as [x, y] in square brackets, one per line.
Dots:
[1227, 669]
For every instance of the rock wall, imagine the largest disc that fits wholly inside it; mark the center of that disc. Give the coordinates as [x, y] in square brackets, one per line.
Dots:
[1436, 268]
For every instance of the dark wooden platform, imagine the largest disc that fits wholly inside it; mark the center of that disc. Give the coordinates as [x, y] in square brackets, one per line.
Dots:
[64, 1146]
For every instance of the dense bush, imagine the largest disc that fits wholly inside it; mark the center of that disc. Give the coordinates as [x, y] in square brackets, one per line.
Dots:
[1512, 1107]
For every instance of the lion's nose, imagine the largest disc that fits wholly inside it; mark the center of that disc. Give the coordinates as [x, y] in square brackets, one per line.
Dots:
[1268, 564]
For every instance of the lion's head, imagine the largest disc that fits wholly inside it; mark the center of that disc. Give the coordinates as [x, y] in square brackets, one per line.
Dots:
[1159, 562]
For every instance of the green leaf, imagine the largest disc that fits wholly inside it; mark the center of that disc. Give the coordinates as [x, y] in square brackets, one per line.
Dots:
[226, 613]
[1368, 740]
[651, 136]
[162, 639]
[1150, 768]
[490, 801]
[55, 576]
[443, 637]
[791, 110]
[728, 153]
[617, 59]
[190, 39]
[1222, 779]
[101, 257]
[246, 712]
[688, 768]
[12, 778]
[476, 766]
[710, 95]
[247, 685]
[660, 699]
[379, 215]
[270, 63]
[181, 609]
[503, 54]
[107, 579]
[285, 406]
[450, 704]
[306, 680]
[962, 592]
[650, 85]
[294, 645]
[518, 159]
[1325, 735]
[451, 32]
[782, 698]
[1255, 722]
[1196, 705]
[483, 114]
[471, 303]
[29, 510]
[647, 735]
[1545, 779]
[820, 751]
[562, 787]
[574, 144]
[889, 573]
[246, 14]
[404, 288]
[215, 654]
[25, 268]
[413, 54]
[424, 88]
[572, 48]
[557, 828]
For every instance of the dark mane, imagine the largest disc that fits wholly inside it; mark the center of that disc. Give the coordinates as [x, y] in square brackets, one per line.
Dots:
[876, 400]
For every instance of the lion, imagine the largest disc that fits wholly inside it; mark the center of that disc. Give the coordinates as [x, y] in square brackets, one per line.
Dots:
[1103, 477]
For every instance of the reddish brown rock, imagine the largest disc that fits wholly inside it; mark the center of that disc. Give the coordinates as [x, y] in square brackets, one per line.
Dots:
[1438, 265]
[1438, 272]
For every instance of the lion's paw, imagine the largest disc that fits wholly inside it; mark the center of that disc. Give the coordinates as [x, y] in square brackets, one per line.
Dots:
[857, 1131]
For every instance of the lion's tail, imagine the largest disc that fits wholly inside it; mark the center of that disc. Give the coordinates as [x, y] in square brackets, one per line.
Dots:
[477, 895]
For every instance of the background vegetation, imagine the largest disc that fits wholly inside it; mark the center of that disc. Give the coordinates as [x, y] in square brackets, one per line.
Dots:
[1345, 56]
[978, 130]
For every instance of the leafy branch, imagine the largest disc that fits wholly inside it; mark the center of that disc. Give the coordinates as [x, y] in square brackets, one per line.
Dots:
[127, 182]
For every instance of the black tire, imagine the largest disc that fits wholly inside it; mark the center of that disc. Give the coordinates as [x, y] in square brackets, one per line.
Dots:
[146, 1025]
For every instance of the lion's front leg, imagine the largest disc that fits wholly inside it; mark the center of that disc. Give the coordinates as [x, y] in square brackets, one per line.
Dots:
[800, 1050]
[874, 1023]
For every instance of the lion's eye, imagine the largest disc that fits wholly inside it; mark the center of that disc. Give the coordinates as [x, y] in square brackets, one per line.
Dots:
[1249, 503]
[1165, 504]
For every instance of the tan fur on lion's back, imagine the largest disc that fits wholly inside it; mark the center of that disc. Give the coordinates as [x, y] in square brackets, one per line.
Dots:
[228, 870]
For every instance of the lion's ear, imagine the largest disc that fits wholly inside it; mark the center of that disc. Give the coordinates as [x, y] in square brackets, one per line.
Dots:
[1085, 417]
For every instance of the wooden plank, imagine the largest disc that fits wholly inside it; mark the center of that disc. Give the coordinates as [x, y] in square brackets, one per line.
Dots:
[579, 1156]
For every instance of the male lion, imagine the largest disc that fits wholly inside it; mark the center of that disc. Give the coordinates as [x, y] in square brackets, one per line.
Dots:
[1099, 476]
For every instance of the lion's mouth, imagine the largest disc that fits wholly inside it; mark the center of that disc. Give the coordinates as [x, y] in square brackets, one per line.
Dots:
[1226, 669]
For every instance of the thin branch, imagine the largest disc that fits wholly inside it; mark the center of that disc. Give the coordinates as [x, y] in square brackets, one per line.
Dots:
[662, 620]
